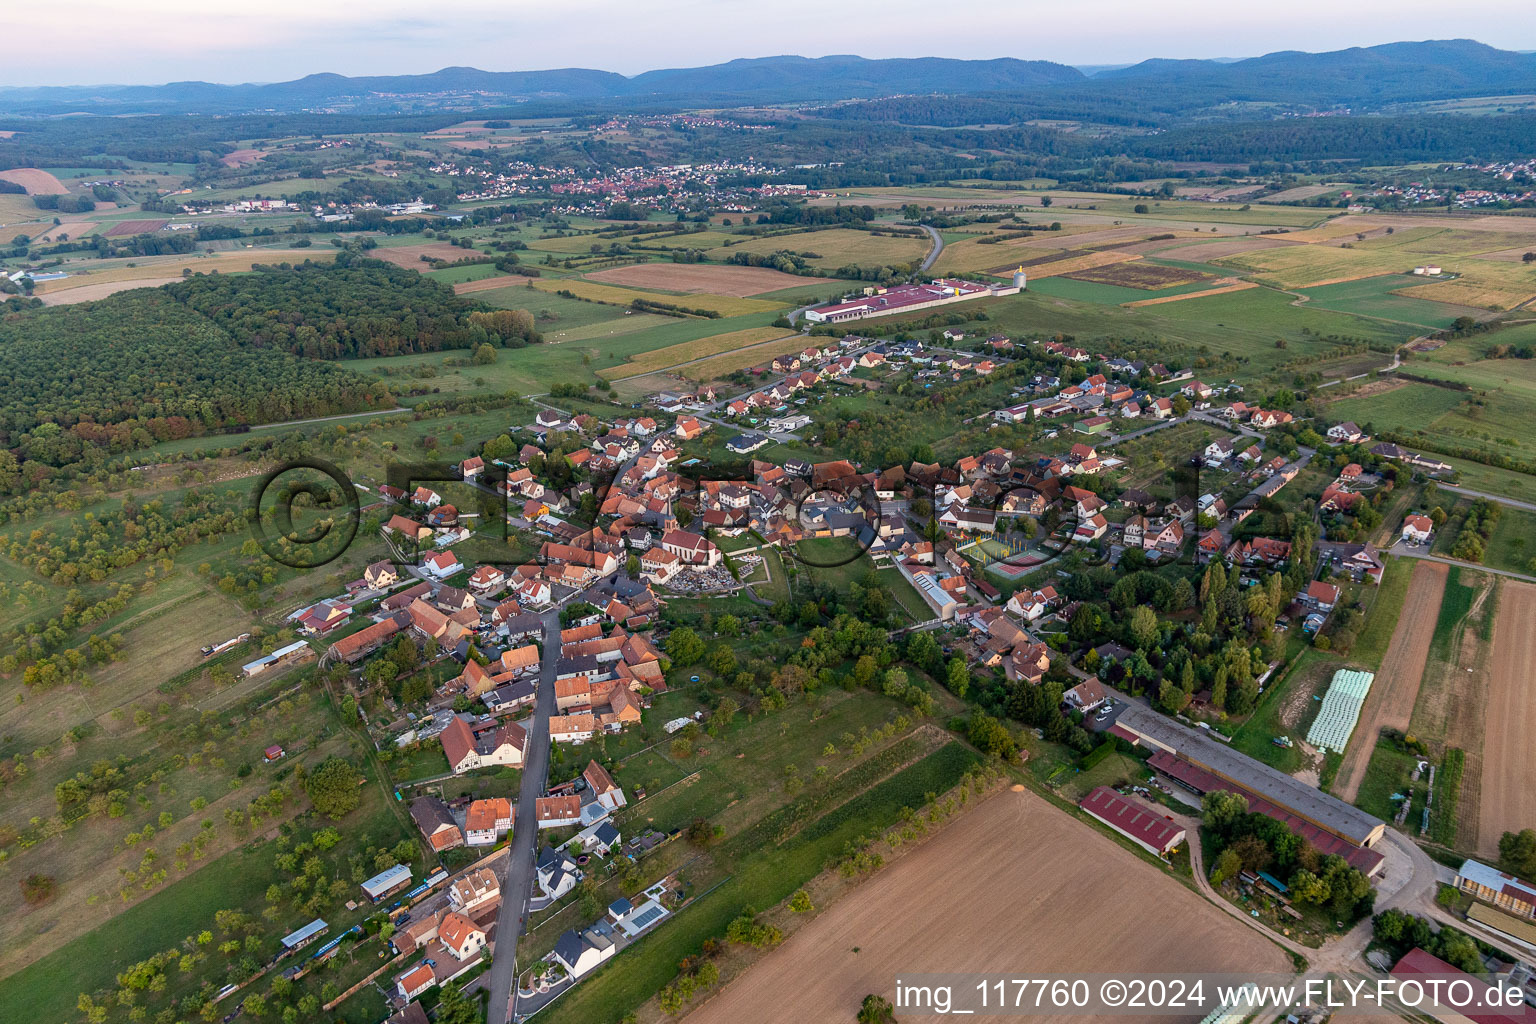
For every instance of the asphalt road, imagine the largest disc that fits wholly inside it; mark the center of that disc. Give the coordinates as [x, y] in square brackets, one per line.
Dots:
[517, 885]
[938, 247]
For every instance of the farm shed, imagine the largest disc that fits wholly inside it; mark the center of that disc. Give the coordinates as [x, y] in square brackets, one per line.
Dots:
[1150, 831]
[1199, 763]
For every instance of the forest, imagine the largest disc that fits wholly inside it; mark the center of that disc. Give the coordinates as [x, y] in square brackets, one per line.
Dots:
[79, 382]
[354, 308]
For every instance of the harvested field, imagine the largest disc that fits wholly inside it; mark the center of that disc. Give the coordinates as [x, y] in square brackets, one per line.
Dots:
[900, 920]
[241, 157]
[134, 227]
[1211, 250]
[490, 284]
[1146, 276]
[1232, 285]
[614, 296]
[1315, 265]
[699, 277]
[1508, 798]
[224, 263]
[837, 247]
[688, 352]
[72, 228]
[36, 181]
[100, 290]
[1073, 264]
[1486, 283]
[410, 256]
[1396, 687]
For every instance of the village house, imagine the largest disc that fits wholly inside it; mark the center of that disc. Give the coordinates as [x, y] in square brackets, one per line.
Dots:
[380, 575]
[432, 817]
[460, 936]
[442, 564]
[1417, 529]
[483, 745]
[487, 820]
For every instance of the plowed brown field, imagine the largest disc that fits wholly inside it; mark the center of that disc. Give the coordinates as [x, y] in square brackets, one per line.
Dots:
[1396, 687]
[1013, 885]
[1508, 799]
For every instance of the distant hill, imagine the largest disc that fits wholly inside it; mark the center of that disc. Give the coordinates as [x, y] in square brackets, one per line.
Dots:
[1362, 77]
[1390, 73]
[763, 79]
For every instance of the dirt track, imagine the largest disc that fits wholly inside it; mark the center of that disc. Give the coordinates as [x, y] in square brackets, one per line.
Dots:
[1390, 702]
[1013, 884]
[1508, 799]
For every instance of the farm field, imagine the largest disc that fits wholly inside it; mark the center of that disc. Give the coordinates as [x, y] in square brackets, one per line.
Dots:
[1317, 265]
[1382, 297]
[92, 292]
[1150, 277]
[1485, 283]
[1390, 701]
[835, 247]
[410, 256]
[689, 351]
[1508, 790]
[465, 285]
[902, 921]
[153, 269]
[740, 359]
[135, 227]
[764, 874]
[36, 181]
[691, 278]
[723, 304]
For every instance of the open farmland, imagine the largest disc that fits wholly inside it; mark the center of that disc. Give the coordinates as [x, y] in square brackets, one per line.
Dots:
[1396, 687]
[1140, 274]
[410, 256]
[905, 919]
[1382, 296]
[36, 181]
[725, 305]
[155, 272]
[692, 278]
[1314, 265]
[1233, 285]
[1508, 798]
[1484, 283]
[836, 247]
[690, 351]
[488, 284]
[1074, 262]
[741, 358]
[135, 227]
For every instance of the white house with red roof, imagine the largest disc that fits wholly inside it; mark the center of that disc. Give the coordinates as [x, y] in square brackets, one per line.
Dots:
[442, 564]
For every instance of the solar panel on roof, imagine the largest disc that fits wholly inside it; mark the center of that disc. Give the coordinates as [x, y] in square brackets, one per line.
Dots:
[645, 917]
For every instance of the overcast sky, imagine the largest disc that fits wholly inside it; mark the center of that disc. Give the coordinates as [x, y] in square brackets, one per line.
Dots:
[72, 42]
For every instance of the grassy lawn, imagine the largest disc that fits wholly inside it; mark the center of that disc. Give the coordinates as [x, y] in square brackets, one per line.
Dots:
[1309, 674]
[1513, 545]
[1381, 615]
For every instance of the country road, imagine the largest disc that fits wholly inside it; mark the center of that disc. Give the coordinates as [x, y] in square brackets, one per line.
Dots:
[1512, 502]
[938, 247]
[517, 886]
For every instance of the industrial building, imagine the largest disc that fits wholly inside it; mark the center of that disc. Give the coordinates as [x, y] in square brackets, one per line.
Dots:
[905, 299]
